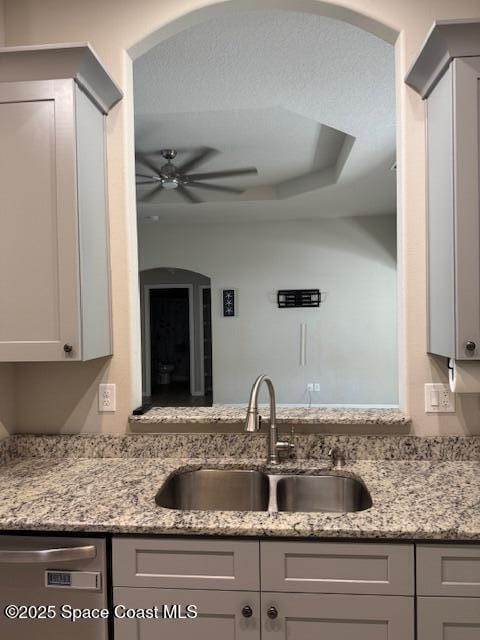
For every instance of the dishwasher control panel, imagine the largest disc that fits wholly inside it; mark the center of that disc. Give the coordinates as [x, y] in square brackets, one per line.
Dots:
[91, 580]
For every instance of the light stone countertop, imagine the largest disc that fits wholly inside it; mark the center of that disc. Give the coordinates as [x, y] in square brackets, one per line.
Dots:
[414, 499]
[226, 414]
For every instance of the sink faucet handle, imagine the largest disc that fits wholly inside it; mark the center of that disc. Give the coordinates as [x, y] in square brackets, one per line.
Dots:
[292, 440]
[287, 445]
[337, 458]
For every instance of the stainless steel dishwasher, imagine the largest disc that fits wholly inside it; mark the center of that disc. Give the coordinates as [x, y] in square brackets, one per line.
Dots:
[46, 578]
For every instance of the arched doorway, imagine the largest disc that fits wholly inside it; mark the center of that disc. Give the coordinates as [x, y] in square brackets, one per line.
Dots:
[176, 337]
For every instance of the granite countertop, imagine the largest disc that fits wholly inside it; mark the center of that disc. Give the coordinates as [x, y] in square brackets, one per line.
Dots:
[226, 414]
[424, 497]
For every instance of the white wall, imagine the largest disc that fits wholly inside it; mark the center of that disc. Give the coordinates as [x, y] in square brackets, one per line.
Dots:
[351, 338]
[117, 26]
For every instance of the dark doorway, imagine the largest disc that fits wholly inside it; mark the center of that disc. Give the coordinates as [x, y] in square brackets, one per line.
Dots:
[207, 339]
[170, 343]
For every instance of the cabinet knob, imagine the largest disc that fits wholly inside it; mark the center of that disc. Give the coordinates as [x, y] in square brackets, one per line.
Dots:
[247, 611]
[67, 348]
[272, 613]
[470, 345]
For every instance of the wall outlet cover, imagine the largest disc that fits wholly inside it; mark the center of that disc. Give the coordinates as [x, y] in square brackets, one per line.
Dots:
[107, 400]
[439, 398]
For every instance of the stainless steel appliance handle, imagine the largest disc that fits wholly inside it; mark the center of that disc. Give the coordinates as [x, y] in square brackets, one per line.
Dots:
[37, 556]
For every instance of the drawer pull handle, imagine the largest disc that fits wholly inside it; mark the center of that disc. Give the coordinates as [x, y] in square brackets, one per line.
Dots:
[272, 613]
[57, 554]
[247, 611]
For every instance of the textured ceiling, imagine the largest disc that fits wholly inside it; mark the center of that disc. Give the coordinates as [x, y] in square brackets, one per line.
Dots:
[258, 86]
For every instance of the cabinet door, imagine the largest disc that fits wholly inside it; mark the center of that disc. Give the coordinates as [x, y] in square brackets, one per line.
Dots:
[39, 290]
[448, 618]
[337, 617]
[466, 114]
[219, 614]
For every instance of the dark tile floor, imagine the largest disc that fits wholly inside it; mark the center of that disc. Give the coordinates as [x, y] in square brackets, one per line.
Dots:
[177, 395]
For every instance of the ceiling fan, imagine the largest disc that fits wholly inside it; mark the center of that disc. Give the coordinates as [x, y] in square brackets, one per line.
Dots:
[169, 176]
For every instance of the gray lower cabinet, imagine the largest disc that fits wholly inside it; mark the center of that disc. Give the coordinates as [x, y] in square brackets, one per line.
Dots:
[197, 563]
[221, 614]
[448, 618]
[274, 590]
[448, 570]
[336, 617]
[448, 589]
[344, 568]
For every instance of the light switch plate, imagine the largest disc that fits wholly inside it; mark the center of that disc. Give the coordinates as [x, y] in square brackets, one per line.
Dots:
[439, 398]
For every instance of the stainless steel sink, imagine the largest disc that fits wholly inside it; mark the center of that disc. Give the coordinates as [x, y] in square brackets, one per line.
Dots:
[216, 490]
[248, 490]
[327, 492]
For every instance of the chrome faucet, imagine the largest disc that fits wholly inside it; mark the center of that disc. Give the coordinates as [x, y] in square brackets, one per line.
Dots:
[337, 458]
[276, 447]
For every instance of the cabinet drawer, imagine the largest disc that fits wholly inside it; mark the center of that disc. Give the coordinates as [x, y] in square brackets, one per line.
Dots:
[219, 614]
[444, 570]
[448, 619]
[325, 567]
[186, 564]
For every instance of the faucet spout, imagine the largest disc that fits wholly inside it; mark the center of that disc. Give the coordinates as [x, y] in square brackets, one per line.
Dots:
[252, 422]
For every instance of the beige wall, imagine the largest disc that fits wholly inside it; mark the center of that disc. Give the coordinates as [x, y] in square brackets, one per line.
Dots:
[6, 370]
[2, 22]
[113, 26]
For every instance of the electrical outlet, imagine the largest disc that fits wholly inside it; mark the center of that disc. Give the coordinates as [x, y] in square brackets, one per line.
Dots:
[107, 397]
[439, 398]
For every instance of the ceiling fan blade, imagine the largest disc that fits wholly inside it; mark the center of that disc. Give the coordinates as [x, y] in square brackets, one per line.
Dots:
[143, 175]
[215, 187]
[188, 195]
[222, 174]
[141, 158]
[144, 182]
[201, 157]
[152, 193]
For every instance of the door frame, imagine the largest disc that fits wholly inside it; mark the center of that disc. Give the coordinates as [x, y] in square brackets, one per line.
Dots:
[202, 288]
[147, 353]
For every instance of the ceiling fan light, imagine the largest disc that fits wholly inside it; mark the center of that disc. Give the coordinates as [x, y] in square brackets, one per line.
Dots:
[170, 183]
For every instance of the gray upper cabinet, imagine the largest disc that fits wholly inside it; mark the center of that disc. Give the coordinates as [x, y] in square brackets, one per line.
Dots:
[447, 76]
[54, 252]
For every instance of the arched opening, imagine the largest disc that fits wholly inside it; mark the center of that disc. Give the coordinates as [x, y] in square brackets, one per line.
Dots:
[176, 336]
[315, 7]
[373, 231]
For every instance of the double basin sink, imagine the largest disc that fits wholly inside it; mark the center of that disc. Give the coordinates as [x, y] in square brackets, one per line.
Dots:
[252, 490]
